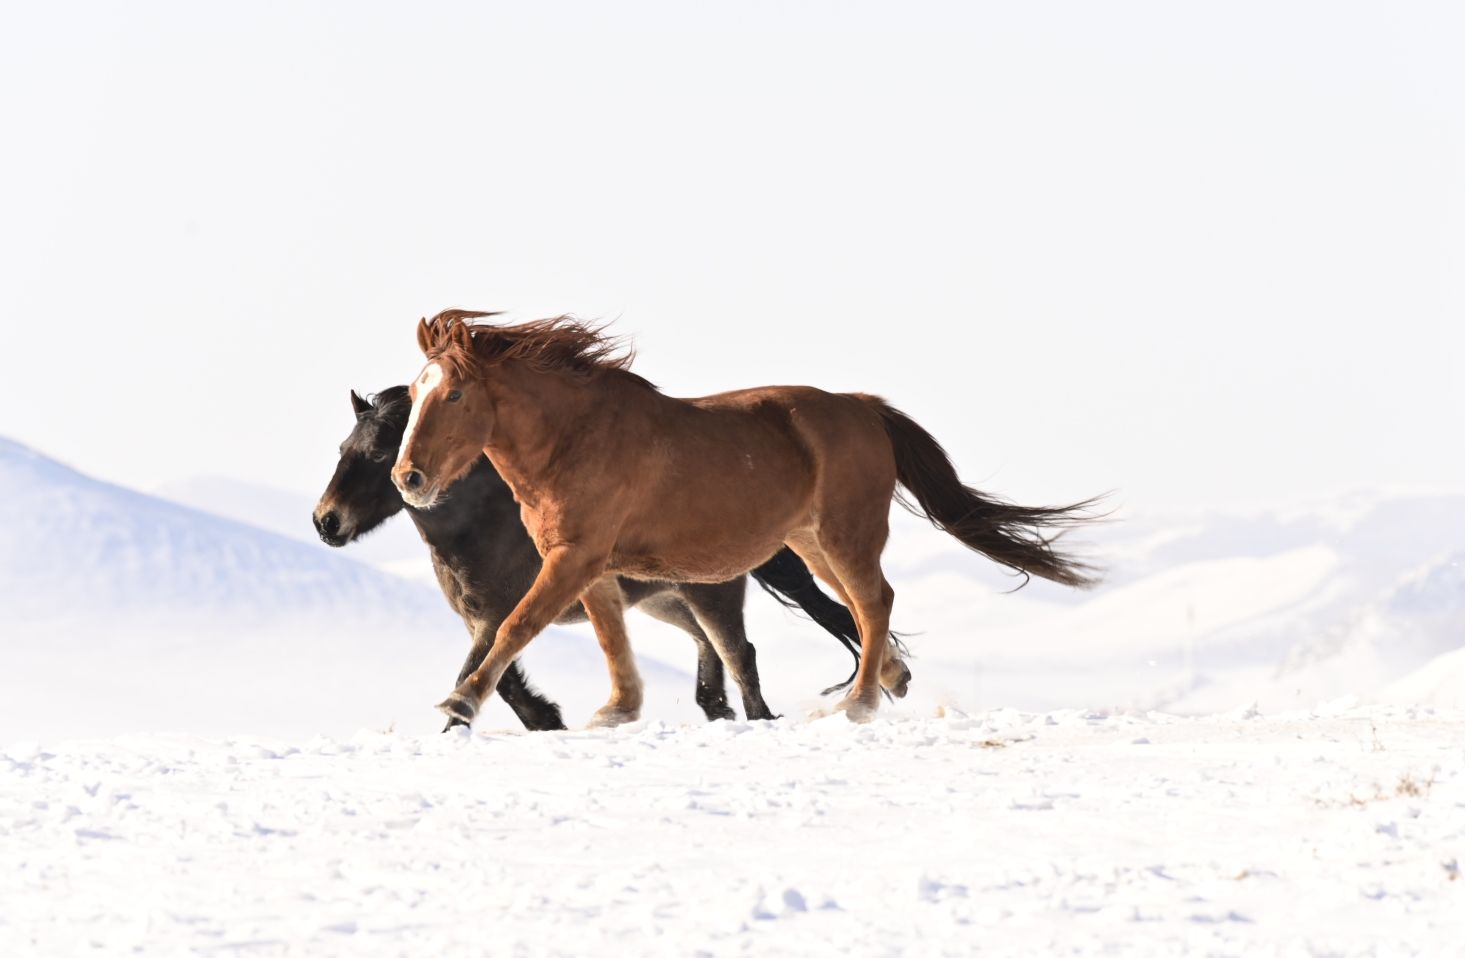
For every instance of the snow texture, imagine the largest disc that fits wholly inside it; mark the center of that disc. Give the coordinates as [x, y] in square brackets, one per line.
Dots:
[1002, 833]
[218, 739]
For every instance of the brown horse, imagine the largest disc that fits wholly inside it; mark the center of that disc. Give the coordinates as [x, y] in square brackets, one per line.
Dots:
[614, 477]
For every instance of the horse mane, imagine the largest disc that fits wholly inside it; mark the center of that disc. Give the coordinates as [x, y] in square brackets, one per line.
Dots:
[561, 343]
[390, 397]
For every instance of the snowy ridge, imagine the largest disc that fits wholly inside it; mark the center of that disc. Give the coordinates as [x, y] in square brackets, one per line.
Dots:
[77, 548]
[126, 612]
[287, 514]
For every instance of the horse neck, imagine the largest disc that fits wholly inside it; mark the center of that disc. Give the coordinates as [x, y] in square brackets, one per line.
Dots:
[540, 415]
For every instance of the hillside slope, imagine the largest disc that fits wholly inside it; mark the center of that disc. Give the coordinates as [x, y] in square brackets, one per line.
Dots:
[126, 612]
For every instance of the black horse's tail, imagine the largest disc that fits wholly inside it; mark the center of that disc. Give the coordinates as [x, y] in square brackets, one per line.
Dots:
[787, 579]
[1020, 537]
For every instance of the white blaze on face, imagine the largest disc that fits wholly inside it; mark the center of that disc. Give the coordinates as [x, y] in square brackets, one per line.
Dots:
[430, 377]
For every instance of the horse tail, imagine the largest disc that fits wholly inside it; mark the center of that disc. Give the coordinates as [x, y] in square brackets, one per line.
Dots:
[1023, 538]
[787, 579]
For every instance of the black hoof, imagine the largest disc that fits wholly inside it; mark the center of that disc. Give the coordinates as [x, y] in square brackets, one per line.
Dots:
[453, 723]
[455, 707]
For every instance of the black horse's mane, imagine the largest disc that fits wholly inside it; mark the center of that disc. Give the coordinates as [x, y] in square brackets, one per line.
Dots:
[388, 400]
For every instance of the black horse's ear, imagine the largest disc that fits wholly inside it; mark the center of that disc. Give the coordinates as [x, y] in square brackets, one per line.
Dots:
[358, 405]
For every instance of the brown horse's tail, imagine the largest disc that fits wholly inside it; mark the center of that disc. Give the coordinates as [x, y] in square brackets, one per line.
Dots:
[1022, 538]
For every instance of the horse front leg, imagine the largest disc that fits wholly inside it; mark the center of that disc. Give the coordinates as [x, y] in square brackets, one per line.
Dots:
[533, 709]
[605, 605]
[567, 572]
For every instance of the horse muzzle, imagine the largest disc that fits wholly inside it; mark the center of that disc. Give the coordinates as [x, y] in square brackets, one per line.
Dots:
[416, 491]
[328, 527]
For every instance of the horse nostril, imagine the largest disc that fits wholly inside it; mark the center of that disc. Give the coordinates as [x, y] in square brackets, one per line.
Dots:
[413, 479]
[330, 524]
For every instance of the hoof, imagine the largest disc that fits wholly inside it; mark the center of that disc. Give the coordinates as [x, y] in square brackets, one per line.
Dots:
[899, 683]
[856, 711]
[610, 716]
[458, 710]
[720, 713]
[454, 722]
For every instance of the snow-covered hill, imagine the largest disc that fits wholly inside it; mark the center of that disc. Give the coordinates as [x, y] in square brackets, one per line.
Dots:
[127, 612]
[75, 549]
[1199, 613]
[136, 610]
[395, 546]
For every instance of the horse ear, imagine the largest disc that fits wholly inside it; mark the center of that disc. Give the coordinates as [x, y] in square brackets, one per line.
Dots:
[358, 405]
[462, 334]
[424, 336]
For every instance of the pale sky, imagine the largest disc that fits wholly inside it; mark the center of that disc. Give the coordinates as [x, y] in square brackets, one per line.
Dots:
[1198, 254]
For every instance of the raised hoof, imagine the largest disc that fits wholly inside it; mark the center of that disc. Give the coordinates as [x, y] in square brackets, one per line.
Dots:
[899, 683]
[610, 716]
[457, 707]
[856, 711]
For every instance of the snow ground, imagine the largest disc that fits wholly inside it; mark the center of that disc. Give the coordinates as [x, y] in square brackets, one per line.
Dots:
[1336, 832]
[1104, 828]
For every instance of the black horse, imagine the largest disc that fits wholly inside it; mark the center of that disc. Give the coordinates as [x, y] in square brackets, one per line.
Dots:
[485, 563]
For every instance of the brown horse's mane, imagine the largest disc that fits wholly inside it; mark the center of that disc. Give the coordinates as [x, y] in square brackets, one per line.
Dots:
[559, 343]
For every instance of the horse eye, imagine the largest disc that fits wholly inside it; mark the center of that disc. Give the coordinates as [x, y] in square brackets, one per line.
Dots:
[455, 395]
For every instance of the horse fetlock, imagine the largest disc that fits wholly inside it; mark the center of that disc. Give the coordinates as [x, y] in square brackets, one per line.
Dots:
[857, 709]
[628, 694]
[612, 714]
[717, 710]
[713, 702]
[458, 706]
[759, 713]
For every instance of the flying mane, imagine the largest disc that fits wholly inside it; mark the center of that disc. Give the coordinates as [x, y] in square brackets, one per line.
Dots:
[559, 343]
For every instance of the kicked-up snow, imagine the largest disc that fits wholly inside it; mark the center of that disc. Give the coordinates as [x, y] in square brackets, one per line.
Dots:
[1335, 832]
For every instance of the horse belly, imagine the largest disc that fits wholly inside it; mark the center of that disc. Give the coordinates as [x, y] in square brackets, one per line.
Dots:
[714, 529]
[692, 562]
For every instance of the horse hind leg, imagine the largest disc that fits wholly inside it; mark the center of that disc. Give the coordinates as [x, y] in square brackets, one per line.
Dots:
[605, 606]
[894, 675]
[855, 575]
[711, 691]
[719, 610]
[872, 612]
